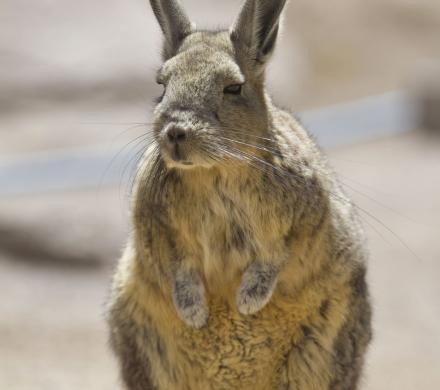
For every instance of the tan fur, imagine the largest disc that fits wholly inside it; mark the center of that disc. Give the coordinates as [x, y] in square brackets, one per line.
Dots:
[214, 219]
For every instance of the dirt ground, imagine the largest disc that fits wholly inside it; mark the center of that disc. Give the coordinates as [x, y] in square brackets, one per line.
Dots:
[52, 330]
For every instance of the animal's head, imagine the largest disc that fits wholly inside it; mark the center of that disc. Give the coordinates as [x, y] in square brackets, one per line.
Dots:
[213, 101]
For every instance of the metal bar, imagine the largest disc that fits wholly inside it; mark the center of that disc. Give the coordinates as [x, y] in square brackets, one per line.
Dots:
[361, 120]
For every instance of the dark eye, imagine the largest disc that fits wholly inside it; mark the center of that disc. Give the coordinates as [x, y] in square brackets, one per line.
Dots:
[234, 89]
[159, 99]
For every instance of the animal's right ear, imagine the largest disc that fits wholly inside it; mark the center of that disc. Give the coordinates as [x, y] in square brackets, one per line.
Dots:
[174, 23]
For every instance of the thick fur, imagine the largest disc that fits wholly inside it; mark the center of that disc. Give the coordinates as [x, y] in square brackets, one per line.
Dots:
[246, 267]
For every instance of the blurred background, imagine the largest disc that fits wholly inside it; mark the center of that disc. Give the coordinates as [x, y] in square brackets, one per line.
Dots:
[76, 86]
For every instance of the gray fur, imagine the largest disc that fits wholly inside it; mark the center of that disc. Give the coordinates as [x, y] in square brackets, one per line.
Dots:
[353, 338]
[135, 364]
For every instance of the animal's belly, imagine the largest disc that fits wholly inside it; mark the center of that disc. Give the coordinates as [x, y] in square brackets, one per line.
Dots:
[236, 351]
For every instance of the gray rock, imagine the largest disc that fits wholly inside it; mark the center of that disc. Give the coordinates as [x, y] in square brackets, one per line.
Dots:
[75, 229]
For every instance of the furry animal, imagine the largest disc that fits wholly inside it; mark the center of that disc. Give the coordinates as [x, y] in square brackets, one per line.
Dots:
[246, 265]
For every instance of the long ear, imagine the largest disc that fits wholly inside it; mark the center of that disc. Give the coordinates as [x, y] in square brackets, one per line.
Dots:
[174, 23]
[257, 27]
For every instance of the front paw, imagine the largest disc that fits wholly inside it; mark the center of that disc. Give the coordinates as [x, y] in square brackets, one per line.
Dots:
[190, 304]
[256, 289]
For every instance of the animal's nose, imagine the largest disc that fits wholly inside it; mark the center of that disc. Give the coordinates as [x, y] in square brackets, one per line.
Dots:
[176, 135]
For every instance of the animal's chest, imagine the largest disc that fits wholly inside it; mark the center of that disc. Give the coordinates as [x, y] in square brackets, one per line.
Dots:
[221, 232]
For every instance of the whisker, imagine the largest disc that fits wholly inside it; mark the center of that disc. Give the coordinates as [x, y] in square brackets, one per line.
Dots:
[222, 152]
[262, 148]
[114, 158]
[383, 205]
[345, 200]
[129, 166]
[117, 123]
[242, 131]
[363, 185]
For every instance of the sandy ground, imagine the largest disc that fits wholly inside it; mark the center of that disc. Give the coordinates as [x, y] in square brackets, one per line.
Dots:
[396, 184]
[52, 330]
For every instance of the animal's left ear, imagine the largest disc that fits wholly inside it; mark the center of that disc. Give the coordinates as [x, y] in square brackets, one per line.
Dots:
[257, 27]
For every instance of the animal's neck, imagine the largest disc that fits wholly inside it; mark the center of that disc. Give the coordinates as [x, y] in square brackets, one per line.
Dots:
[218, 180]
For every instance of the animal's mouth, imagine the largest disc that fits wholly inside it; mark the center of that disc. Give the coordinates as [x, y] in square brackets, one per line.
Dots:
[176, 158]
[176, 153]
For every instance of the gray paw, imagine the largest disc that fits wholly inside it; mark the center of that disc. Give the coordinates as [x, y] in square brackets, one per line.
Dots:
[189, 300]
[256, 288]
[195, 315]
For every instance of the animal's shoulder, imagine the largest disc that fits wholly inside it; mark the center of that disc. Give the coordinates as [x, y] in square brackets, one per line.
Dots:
[296, 146]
